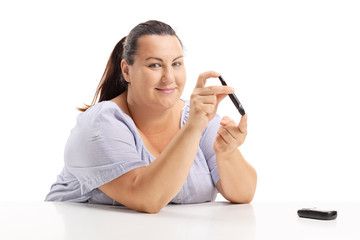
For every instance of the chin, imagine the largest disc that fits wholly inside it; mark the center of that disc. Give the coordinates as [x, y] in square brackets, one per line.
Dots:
[169, 102]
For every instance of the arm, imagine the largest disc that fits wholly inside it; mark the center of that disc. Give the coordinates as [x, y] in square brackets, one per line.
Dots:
[237, 177]
[150, 188]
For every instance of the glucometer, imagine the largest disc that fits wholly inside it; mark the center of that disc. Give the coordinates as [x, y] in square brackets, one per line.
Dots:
[317, 214]
[234, 99]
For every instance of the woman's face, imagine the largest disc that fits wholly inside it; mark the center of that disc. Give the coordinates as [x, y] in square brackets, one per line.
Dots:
[157, 77]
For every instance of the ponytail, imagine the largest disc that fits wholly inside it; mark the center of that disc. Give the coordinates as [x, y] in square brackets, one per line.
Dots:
[112, 82]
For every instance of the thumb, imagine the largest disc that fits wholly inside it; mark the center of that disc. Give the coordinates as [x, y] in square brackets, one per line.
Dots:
[243, 124]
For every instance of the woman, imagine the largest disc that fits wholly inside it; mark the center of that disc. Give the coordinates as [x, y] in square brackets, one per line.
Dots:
[141, 145]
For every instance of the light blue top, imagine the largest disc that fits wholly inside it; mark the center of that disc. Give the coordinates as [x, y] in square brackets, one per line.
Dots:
[105, 144]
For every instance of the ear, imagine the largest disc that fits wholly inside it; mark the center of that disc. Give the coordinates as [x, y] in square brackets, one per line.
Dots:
[125, 70]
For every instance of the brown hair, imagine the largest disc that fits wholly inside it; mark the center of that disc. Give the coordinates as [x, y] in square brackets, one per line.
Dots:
[112, 82]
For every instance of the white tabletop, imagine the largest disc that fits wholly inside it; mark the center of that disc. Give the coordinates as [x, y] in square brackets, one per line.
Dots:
[216, 220]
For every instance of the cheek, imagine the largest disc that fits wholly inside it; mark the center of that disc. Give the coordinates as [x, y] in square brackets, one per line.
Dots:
[181, 78]
[143, 79]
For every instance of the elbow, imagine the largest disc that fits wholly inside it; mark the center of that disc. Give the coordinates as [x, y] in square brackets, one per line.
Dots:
[242, 195]
[249, 194]
[148, 202]
[151, 207]
[247, 199]
[242, 199]
[143, 206]
[150, 210]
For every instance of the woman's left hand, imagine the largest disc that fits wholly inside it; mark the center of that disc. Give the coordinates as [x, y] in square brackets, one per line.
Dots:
[230, 135]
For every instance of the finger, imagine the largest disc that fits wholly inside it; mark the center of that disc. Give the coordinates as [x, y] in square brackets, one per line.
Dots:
[225, 135]
[220, 97]
[233, 130]
[215, 90]
[226, 120]
[208, 108]
[220, 139]
[207, 99]
[220, 144]
[204, 76]
[243, 124]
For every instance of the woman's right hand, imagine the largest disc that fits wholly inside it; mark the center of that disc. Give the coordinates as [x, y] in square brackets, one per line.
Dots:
[204, 101]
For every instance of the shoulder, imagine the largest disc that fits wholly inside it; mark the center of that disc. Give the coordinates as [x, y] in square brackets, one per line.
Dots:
[105, 109]
[100, 109]
[105, 115]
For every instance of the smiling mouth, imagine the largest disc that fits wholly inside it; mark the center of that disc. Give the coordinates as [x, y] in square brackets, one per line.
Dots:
[166, 90]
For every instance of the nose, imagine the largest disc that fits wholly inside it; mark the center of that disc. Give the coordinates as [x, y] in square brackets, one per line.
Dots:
[168, 76]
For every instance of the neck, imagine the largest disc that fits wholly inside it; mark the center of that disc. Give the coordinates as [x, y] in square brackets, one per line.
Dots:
[153, 121]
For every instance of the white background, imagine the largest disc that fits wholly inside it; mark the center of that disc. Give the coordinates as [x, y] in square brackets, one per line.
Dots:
[295, 66]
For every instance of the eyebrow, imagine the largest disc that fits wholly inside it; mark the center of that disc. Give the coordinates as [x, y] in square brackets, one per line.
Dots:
[159, 59]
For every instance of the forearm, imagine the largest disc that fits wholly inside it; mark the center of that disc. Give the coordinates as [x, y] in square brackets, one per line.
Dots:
[161, 180]
[237, 178]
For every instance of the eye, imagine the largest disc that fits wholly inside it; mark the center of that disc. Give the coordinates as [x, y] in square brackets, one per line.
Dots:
[154, 65]
[177, 64]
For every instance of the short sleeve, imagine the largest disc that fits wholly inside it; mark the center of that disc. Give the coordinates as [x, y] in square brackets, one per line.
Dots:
[207, 146]
[102, 147]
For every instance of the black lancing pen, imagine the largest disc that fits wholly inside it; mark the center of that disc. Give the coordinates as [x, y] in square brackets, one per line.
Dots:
[234, 99]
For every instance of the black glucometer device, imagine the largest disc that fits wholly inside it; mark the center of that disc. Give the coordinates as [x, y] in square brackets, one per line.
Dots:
[314, 213]
[234, 99]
